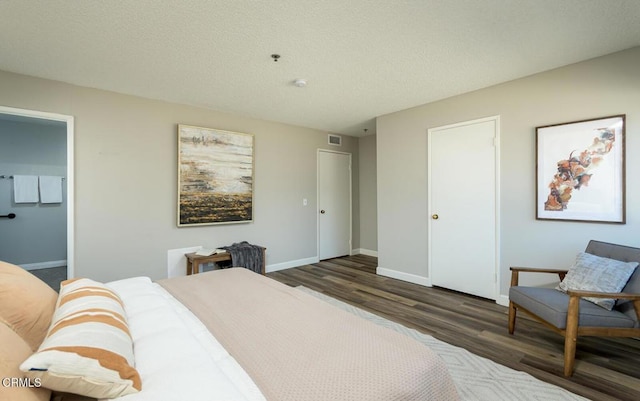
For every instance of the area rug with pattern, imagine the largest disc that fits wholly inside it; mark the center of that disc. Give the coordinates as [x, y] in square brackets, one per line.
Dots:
[476, 378]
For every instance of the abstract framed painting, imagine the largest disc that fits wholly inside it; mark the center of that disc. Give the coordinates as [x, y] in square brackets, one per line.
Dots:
[215, 176]
[580, 171]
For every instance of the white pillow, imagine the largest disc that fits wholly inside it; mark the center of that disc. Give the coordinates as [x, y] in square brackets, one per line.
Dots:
[88, 349]
[595, 273]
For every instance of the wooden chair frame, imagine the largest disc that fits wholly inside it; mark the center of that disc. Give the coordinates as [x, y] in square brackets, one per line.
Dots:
[573, 330]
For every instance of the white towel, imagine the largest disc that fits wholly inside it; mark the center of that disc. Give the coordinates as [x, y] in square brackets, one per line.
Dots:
[25, 188]
[50, 189]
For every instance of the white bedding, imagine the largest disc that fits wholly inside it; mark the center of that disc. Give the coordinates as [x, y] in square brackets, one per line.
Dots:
[175, 354]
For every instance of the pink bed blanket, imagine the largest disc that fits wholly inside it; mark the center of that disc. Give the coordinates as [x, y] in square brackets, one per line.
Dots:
[298, 348]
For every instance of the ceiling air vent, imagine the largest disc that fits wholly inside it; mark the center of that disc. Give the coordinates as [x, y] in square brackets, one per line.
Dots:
[335, 140]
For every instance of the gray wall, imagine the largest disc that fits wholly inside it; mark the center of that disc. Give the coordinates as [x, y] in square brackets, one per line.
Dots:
[39, 232]
[368, 196]
[126, 179]
[596, 88]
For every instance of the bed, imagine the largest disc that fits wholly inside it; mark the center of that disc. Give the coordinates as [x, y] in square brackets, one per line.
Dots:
[224, 335]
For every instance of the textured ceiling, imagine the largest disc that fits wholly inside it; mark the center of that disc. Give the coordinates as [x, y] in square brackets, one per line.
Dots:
[362, 58]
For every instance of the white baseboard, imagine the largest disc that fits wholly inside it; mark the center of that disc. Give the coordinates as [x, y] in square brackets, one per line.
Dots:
[177, 262]
[290, 264]
[412, 278]
[502, 300]
[363, 251]
[44, 265]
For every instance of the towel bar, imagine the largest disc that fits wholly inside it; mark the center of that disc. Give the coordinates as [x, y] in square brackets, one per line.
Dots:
[11, 177]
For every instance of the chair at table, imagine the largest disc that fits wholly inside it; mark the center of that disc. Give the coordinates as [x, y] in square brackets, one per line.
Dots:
[570, 315]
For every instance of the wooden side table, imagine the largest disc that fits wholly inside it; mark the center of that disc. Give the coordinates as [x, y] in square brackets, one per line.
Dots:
[194, 261]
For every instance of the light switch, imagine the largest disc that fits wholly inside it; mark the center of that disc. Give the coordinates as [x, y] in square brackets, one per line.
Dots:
[304, 202]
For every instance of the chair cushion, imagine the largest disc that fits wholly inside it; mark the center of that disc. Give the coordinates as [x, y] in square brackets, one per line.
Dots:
[552, 305]
[632, 287]
[595, 273]
[623, 253]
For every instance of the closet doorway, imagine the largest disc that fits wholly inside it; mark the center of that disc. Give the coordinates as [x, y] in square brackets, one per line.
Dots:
[334, 204]
[37, 234]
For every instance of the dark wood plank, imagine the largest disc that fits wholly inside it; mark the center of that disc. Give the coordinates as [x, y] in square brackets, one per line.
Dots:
[606, 368]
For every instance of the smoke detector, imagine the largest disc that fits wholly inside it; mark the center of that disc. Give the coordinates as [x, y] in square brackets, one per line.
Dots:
[300, 83]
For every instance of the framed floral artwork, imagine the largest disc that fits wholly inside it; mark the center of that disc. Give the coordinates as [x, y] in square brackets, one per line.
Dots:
[580, 171]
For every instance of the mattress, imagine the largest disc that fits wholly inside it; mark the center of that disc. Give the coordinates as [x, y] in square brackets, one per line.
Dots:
[175, 354]
[296, 347]
[234, 335]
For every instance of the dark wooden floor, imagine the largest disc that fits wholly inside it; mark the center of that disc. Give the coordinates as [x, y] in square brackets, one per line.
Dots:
[606, 368]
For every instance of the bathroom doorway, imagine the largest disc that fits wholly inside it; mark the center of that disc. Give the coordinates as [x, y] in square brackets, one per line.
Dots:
[37, 231]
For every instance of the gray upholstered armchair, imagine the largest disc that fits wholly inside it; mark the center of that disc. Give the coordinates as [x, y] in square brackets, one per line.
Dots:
[570, 315]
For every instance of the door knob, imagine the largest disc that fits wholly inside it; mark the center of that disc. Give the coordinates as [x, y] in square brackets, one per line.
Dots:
[322, 211]
[434, 216]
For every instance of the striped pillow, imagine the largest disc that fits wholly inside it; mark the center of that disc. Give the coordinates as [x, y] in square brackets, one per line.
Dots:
[88, 349]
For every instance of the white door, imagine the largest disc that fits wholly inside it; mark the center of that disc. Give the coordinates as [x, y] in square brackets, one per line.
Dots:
[334, 204]
[462, 207]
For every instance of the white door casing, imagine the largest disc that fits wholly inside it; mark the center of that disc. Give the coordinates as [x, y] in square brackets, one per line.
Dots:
[334, 204]
[70, 180]
[463, 209]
